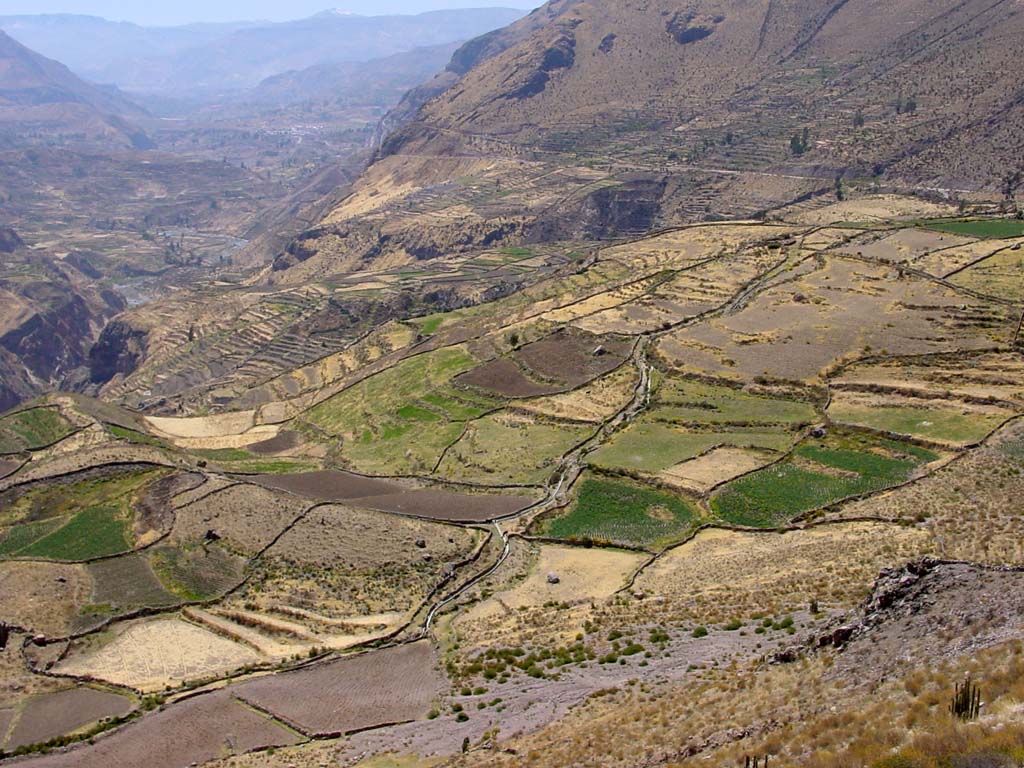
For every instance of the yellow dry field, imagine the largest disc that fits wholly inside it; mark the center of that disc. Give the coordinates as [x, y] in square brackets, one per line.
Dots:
[219, 426]
[273, 637]
[906, 245]
[685, 247]
[994, 375]
[692, 292]
[393, 179]
[43, 598]
[942, 263]
[599, 302]
[149, 654]
[596, 402]
[705, 472]
[725, 575]
[821, 314]
[1001, 275]
[297, 390]
[532, 610]
[875, 208]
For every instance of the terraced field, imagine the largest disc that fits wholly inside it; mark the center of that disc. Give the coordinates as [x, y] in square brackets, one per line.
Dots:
[675, 437]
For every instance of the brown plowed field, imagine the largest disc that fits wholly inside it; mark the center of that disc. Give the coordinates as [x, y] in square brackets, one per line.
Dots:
[562, 361]
[329, 485]
[55, 714]
[154, 511]
[7, 467]
[283, 441]
[389, 686]
[570, 357]
[386, 496]
[434, 504]
[504, 377]
[193, 731]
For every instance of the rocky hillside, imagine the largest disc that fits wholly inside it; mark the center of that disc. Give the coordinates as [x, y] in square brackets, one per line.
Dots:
[39, 94]
[50, 314]
[669, 113]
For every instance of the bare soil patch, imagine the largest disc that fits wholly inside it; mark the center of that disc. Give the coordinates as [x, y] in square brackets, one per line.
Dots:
[246, 517]
[389, 496]
[283, 441]
[43, 597]
[718, 466]
[154, 513]
[435, 504]
[8, 466]
[565, 360]
[46, 717]
[151, 653]
[723, 575]
[188, 733]
[372, 689]
[329, 485]
[505, 378]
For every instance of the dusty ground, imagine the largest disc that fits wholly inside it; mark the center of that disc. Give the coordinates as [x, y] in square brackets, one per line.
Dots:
[152, 653]
[714, 468]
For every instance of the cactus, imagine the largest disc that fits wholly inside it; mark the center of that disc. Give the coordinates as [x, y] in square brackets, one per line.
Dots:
[966, 702]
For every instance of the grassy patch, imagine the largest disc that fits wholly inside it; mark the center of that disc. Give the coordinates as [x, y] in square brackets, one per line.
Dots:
[654, 447]
[928, 423]
[989, 228]
[21, 536]
[694, 402]
[94, 532]
[196, 573]
[402, 419]
[507, 450]
[32, 429]
[818, 474]
[138, 438]
[623, 512]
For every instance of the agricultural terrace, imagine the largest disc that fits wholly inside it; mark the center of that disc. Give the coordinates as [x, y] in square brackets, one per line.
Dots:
[619, 511]
[32, 429]
[688, 418]
[400, 421]
[76, 520]
[818, 473]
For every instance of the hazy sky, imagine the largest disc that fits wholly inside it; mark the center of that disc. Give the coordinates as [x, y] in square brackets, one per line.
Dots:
[164, 12]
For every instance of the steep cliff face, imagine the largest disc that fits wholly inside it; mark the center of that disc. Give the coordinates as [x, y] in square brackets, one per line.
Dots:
[118, 350]
[49, 318]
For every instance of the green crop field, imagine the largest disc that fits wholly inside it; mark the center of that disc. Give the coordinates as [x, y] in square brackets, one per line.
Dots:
[401, 420]
[815, 476]
[991, 228]
[133, 436]
[927, 423]
[94, 532]
[654, 447]
[32, 429]
[623, 512]
[74, 521]
[694, 402]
